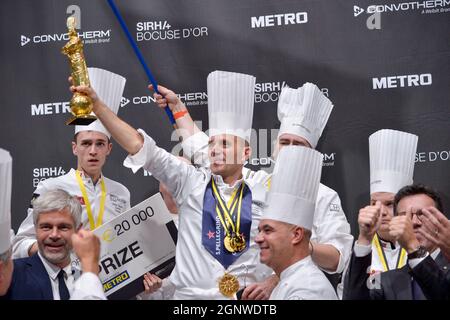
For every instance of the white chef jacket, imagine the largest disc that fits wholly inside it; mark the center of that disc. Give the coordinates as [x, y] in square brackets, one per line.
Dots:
[117, 201]
[392, 255]
[303, 280]
[197, 272]
[330, 225]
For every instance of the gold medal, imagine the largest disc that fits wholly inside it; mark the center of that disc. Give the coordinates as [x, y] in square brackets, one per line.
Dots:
[238, 243]
[228, 285]
[227, 244]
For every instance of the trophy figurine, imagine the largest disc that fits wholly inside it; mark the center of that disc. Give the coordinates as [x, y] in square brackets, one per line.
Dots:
[80, 104]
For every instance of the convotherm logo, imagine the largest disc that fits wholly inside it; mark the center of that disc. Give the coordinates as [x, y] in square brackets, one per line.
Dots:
[88, 37]
[410, 80]
[124, 101]
[279, 20]
[426, 7]
[190, 99]
[24, 40]
[97, 36]
[357, 11]
[162, 30]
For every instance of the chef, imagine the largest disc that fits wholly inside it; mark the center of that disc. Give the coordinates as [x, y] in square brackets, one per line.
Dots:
[101, 198]
[392, 155]
[303, 114]
[285, 227]
[219, 210]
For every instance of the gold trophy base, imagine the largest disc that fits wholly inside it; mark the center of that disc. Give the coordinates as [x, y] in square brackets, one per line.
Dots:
[82, 120]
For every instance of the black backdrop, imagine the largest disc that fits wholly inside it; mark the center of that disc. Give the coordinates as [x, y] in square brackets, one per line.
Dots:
[392, 72]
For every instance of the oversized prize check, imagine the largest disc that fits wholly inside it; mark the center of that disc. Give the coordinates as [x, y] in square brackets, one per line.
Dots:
[140, 240]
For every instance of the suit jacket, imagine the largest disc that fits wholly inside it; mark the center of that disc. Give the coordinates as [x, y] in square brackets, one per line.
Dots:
[30, 280]
[431, 275]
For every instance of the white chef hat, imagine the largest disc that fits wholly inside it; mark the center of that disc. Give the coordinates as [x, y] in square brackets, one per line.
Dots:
[230, 103]
[392, 155]
[294, 186]
[5, 199]
[304, 112]
[109, 88]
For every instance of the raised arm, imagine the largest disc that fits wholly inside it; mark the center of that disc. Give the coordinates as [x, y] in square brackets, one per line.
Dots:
[186, 127]
[194, 141]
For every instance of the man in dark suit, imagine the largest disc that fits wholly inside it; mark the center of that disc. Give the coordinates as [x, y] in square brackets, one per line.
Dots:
[47, 274]
[425, 276]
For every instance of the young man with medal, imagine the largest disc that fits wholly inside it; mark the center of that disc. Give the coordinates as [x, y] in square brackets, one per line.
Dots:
[392, 154]
[101, 198]
[303, 114]
[285, 227]
[219, 209]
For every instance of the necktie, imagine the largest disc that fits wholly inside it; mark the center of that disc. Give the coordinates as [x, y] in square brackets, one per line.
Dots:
[63, 291]
[417, 292]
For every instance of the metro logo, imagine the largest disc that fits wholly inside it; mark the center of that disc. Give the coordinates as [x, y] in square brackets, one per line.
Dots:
[279, 19]
[411, 80]
[40, 109]
[114, 282]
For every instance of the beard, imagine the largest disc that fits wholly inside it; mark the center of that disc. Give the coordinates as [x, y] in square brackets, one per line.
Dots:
[55, 257]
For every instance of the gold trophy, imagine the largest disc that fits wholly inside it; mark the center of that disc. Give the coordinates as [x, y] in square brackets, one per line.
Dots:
[80, 104]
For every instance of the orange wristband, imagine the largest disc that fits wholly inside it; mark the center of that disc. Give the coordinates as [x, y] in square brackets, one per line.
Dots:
[179, 114]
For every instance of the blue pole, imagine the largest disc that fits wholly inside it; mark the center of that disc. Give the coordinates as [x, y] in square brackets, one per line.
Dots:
[140, 57]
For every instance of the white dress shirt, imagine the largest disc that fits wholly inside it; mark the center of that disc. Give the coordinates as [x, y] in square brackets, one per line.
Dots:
[53, 272]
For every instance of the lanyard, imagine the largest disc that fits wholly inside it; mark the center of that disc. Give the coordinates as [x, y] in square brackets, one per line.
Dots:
[226, 212]
[269, 182]
[92, 223]
[400, 258]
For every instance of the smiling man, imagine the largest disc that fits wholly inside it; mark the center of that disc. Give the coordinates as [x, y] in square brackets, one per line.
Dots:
[285, 227]
[47, 275]
[101, 198]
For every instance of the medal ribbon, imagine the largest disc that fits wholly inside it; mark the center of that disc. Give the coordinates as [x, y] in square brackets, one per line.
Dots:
[215, 227]
[226, 212]
[92, 223]
[400, 259]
